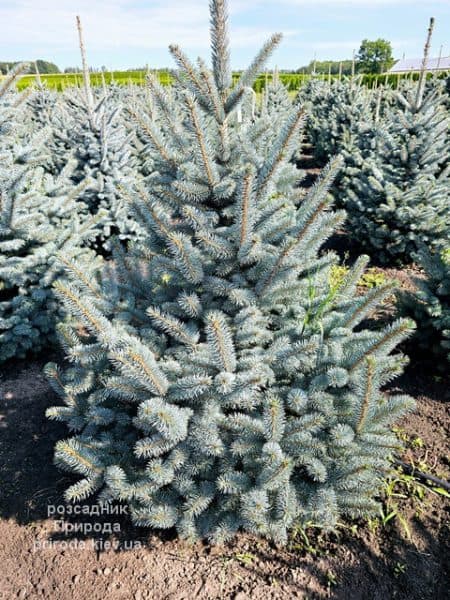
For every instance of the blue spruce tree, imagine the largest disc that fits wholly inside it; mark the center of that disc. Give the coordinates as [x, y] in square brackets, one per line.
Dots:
[399, 200]
[339, 114]
[88, 125]
[219, 381]
[429, 304]
[38, 219]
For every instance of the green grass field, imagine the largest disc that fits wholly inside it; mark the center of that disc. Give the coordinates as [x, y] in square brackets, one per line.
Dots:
[293, 81]
[60, 81]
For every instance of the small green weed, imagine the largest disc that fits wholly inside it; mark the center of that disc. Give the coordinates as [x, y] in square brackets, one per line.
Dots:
[245, 558]
[373, 277]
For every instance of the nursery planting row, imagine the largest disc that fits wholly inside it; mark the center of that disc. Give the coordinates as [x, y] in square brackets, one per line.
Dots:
[218, 369]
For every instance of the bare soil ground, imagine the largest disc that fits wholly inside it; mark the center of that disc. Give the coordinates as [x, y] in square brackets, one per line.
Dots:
[38, 560]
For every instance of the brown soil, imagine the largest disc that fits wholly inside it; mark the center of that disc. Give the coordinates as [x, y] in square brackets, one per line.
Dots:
[377, 563]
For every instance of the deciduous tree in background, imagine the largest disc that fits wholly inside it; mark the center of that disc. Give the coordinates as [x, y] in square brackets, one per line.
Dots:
[375, 56]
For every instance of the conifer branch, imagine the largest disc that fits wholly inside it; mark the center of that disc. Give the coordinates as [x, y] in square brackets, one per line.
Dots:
[282, 143]
[220, 340]
[183, 250]
[187, 68]
[220, 45]
[131, 359]
[68, 454]
[373, 298]
[367, 394]
[248, 77]
[160, 97]
[172, 326]
[96, 322]
[23, 97]
[350, 281]
[198, 130]
[168, 193]
[215, 101]
[158, 224]
[218, 247]
[72, 267]
[147, 129]
[320, 192]
[397, 331]
[283, 467]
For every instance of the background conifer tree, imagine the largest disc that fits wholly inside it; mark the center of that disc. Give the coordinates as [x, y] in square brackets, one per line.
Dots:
[339, 114]
[97, 139]
[38, 218]
[430, 306]
[399, 200]
[395, 184]
[276, 100]
[89, 126]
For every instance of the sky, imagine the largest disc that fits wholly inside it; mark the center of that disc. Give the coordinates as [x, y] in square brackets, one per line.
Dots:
[121, 34]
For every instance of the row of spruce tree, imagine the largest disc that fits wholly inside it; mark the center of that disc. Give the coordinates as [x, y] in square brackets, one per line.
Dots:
[394, 183]
[219, 379]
